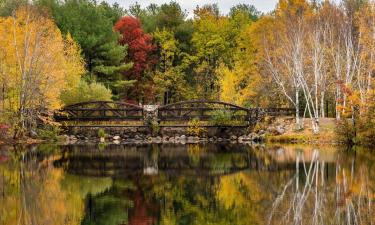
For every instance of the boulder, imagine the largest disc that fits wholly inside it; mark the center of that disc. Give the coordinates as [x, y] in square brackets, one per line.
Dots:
[156, 140]
[165, 138]
[116, 137]
[72, 137]
[137, 137]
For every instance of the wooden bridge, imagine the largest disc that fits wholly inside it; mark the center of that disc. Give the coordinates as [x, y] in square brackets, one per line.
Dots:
[181, 111]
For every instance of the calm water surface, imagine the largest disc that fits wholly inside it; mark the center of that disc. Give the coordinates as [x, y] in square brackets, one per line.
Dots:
[186, 184]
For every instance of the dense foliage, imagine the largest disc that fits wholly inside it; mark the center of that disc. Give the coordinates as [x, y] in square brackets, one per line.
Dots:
[315, 57]
[85, 92]
[91, 26]
[37, 63]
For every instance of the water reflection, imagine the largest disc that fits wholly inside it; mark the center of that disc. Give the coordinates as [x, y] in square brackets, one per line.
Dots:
[185, 184]
[311, 197]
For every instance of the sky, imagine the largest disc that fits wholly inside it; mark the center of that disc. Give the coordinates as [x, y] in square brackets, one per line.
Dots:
[190, 5]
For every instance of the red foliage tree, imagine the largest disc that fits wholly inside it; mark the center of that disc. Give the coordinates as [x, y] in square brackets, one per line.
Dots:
[140, 52]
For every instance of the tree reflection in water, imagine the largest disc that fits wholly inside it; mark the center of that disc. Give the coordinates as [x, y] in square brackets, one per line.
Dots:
[185, 184]
[32, 191]
[307, 198]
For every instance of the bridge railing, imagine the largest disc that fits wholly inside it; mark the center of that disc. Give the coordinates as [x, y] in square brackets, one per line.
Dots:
[203, 110]
[100, 111]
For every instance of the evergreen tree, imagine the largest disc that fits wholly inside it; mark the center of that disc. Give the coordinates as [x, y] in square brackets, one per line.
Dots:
[91, 25]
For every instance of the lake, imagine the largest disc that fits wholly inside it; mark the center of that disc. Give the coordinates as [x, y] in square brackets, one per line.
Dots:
[186, 184]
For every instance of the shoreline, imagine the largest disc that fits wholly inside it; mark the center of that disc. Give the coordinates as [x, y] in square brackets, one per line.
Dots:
[27, 141]
[266, 140]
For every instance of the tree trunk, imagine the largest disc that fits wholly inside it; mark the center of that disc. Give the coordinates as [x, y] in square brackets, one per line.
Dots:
[322, 111]
[298, 120]
[338, 94]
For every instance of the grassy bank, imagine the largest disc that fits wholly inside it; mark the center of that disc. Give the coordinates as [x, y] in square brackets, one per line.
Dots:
[327, 134]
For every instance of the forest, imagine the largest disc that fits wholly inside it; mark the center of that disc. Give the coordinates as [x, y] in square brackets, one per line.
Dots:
[314, 56]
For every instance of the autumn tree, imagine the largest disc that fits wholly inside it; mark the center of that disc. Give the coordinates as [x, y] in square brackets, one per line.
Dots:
[241, 84]
[283, 51]
[140, 53]
[365, 23]
[211, 44]
[239, 80]
[37, 64]
[170, 28]
[357, 84]
[169, 77]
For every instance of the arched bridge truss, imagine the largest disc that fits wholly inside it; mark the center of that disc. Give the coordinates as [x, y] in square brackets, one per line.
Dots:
[100, 111]
[181, 111]
[200, 109]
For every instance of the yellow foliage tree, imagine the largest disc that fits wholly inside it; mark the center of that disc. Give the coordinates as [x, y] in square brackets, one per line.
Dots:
[228, 85]
[366, 28]
[36, 65]
[243, 84]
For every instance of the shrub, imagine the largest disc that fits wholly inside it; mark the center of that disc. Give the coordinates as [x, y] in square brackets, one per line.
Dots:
[222, 118]
[195, 128]
[362, 132]
[85, 92]
[155, 128]
[102, 133]
[49, 133]
[366, 133]
[346, 131]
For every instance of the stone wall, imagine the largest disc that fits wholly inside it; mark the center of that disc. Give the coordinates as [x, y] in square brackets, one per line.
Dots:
[211, 131]
[145, 131]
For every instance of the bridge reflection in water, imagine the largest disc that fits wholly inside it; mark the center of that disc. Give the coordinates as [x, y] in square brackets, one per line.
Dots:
[173, 159]
[186, 184]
